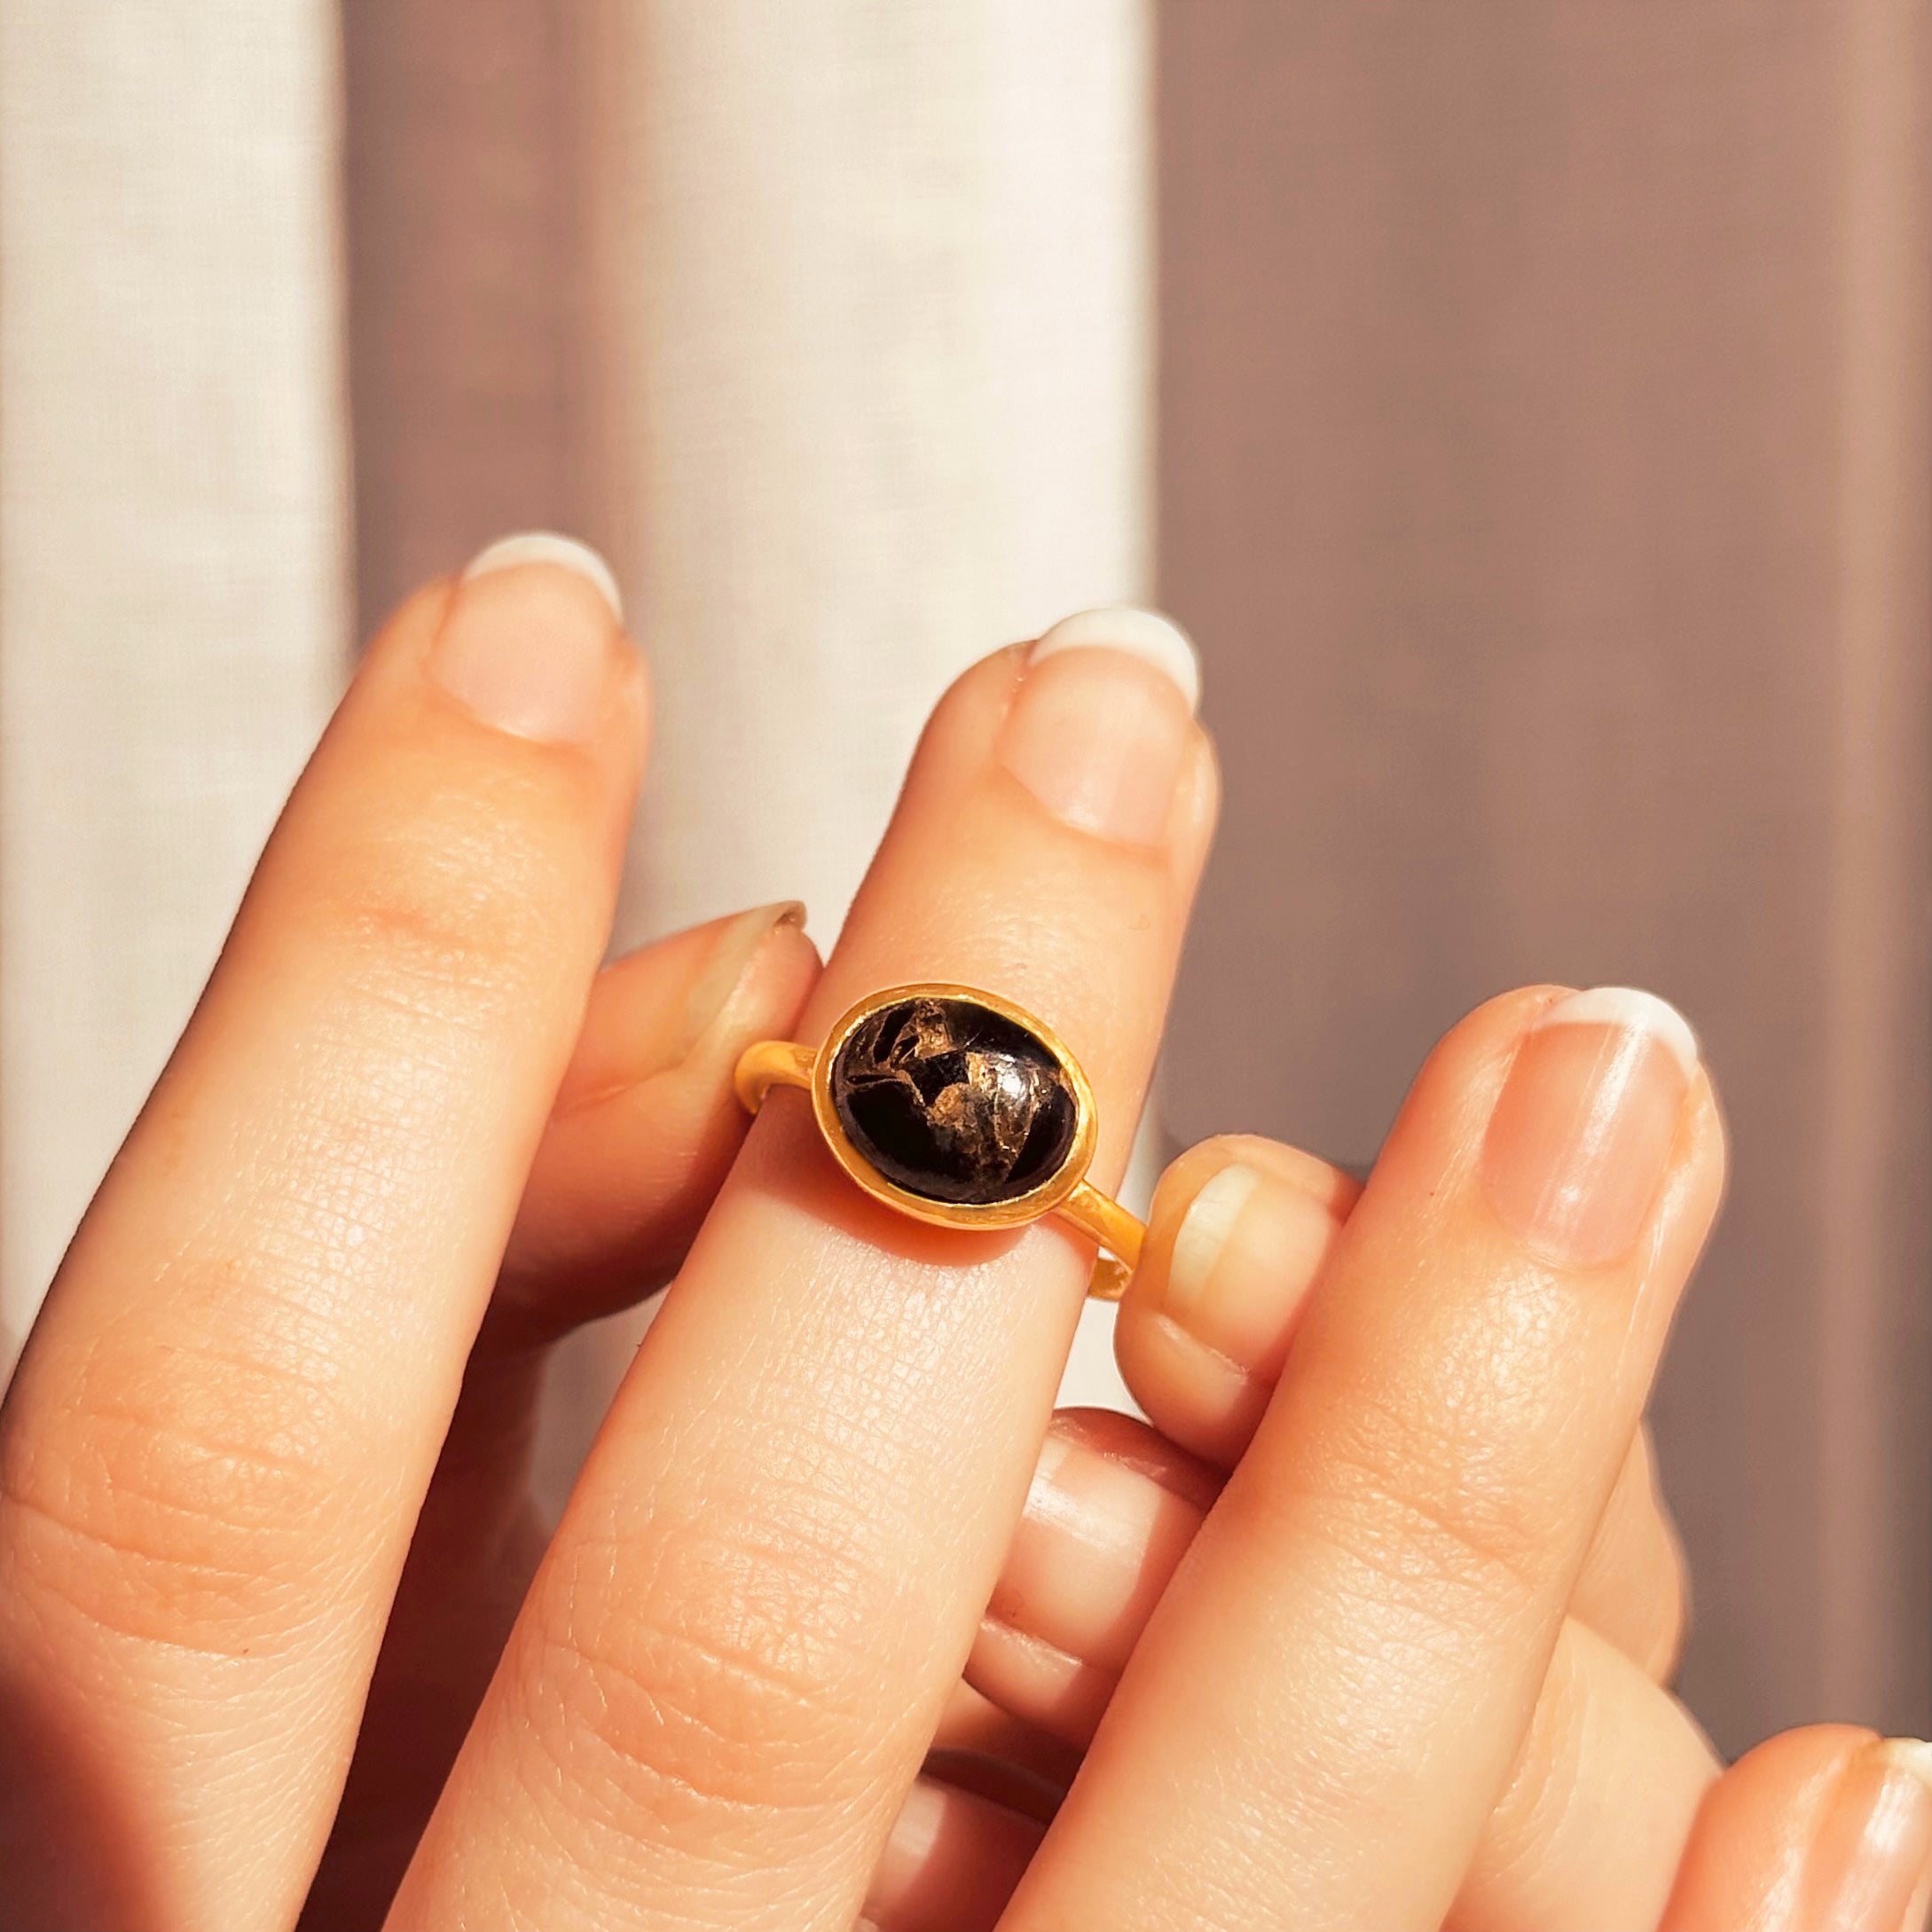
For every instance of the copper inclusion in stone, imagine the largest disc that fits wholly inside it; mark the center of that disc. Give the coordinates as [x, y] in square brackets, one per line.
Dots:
[953, 1102]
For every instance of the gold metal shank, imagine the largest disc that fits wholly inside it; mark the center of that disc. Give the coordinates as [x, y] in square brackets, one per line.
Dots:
[1066, 1192]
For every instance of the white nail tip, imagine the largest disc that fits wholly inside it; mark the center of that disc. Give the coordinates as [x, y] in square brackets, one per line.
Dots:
[545, 546]
[1633, 1010]
[1145, 634]
[1909, 1754]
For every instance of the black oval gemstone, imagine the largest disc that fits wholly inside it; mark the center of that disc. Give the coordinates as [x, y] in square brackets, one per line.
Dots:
[952, 1101]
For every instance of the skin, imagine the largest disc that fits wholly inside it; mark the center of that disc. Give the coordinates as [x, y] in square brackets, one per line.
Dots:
[412, 1133]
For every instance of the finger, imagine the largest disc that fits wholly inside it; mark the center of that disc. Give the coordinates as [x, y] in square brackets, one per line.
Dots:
[1240, 1229]
[1596, 1810]
[1603, 1790]
[1635, 1588]
[644, 1123]
[216, 1445]
[763, 1588]
[950, 1863]
[1390, 1561]
[1112, 1509]
[973, 1726]
[1823, 1830]
[1202, 1344]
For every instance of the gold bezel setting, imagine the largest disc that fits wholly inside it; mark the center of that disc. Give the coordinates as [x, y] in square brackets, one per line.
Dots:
[1066, 1191]
[1014, 1213]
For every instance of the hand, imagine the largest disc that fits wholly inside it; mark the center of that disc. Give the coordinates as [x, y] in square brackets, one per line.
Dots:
[1613, 1815]
[712, 1700]
[216, 1449]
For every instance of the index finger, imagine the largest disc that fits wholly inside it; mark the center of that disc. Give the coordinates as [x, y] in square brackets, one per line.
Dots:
[764, 1587]
[217, 1442]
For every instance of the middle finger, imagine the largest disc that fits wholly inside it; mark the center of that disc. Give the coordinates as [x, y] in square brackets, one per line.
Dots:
[768, 1578]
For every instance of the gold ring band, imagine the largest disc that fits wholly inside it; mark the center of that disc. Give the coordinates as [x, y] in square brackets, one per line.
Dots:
[958, 1108]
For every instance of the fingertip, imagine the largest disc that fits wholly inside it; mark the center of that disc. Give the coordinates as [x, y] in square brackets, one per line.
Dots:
[532, 641]
[645, 1121]
[1239, 1229]
[1149, 636]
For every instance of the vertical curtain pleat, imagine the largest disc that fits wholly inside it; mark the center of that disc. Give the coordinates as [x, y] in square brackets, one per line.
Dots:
[172, 537]
[1874, 1282]
[867, 336]
[463, 184]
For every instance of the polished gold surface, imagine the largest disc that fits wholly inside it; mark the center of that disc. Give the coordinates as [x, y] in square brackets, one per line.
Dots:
[771, 1062]
[1065, 1191]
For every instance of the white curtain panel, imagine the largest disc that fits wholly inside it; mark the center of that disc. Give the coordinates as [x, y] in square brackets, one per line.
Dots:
[173, 522]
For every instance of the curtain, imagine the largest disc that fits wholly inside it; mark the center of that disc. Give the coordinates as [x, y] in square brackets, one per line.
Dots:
[174, 562]
[1545, 463]
[1541, 463]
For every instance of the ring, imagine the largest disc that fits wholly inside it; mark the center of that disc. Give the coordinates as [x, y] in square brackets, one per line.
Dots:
[957, 1108]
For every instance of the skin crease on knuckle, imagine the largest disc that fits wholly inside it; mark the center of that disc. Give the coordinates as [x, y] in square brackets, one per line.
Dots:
[679, 1671]
[189, 1497]
[1405, 1492]
[451, 917]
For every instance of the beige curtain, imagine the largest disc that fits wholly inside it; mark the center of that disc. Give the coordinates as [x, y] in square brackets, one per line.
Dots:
[1542, 465]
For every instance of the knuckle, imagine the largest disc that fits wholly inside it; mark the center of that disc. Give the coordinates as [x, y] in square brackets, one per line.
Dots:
[181, 1500]
[445, 913]
[1432, 1517]
[720, 1674]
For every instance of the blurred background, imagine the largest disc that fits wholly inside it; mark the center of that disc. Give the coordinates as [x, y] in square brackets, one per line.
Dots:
[1523, 403]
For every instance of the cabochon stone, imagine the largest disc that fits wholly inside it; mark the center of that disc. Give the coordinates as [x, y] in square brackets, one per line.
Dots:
[953, 1102]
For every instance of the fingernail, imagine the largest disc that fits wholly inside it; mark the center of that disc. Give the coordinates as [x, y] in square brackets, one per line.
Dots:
[910, 1842]
[1870, 1867]
[1145, 634]
[1100, 725]
[525, 653]
[1100, 1535]
[1249, 1246]
[1581, 1137]
[724, 972]
[545, 546]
